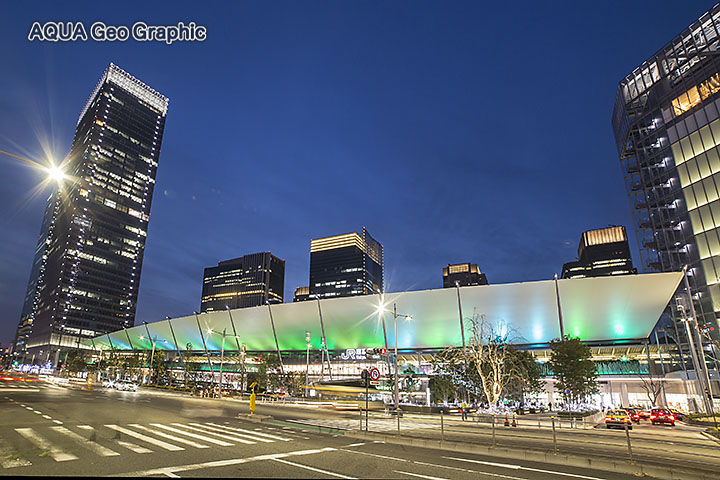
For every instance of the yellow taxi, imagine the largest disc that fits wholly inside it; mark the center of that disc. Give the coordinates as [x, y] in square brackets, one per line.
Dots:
[618, 418]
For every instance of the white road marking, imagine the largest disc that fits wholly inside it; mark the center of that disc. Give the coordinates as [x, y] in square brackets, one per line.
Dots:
[225, 463]
[420, 476]
[519, 467]
[29, 408]
[94, 446]
[133, 447]
[39, 413]
[47, 417]
[171, 475]
[16, 389]
[57, 454]
[195, 435]
[446, 467]
[140, 436]
[169, 437]
[220, 432]
[86, 427]
[58, 422]
[8, 458]
[300, 465]
[355, 444]
[236, 429]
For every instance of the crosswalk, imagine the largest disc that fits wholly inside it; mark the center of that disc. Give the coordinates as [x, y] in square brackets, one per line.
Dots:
[67, 443]
[374, 424]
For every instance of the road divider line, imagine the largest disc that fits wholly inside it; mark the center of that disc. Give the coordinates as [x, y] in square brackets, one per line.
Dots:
[38, 412]
[169, 437]
[313, 469]
[520, 467]
[145, 438]
[94, 446]
[230, 435]
[133, 447]
[47, 417]
[236, 429]
[40, 442]
[222, 443]
[58, 422]
[420, 476]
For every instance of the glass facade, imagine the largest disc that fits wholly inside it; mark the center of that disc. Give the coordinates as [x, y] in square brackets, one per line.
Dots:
[88, 280]
[345, 265]
[248, 281]
[667, 131]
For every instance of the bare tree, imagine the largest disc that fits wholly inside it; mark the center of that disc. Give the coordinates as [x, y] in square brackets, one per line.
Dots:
[652, 383]
[488, 351]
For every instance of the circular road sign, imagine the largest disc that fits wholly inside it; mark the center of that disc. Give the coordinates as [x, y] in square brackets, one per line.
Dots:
[374, 373]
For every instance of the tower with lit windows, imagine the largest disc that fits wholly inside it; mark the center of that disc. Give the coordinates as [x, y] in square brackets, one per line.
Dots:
[666, 123]
[87, 280]
[346, 265]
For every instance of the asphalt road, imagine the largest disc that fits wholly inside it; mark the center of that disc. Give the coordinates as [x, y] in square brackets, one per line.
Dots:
[50, 430]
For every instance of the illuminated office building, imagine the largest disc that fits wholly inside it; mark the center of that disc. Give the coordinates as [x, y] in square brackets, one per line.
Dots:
[464, 275]
[248, 281]
[601, 252]
[346, 265]
[89, 272]
[301, 294]
[667, 131]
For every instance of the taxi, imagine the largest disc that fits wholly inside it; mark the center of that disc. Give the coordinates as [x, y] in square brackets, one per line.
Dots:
[618, 418]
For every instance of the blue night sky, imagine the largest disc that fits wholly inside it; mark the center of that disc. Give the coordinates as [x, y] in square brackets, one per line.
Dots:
[454, 131]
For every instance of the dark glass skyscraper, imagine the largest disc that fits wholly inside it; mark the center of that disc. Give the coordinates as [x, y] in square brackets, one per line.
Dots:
[602, 252]
[345, 265]
[88, 280]
[248, 281]
[667, 130]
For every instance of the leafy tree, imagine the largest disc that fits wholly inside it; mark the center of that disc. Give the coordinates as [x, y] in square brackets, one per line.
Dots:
[76, 361]
[524, 373]
[158, 366]
[571, 364]
[442, 389]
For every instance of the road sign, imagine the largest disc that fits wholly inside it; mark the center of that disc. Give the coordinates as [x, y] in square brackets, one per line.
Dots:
[374, 374]
[374, 382]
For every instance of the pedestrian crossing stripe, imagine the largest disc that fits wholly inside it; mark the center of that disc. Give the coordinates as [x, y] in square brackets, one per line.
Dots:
[166, 437]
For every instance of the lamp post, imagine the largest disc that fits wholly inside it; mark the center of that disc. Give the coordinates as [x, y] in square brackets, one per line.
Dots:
[222, 356]
[307, 362]
[395, 315]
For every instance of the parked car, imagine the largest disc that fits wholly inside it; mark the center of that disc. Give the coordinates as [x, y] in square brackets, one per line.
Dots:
[108, 383]
[662, 415]
[618, 418]
[644, 413]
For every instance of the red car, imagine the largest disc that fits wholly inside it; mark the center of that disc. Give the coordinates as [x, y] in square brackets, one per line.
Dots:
[661, 415]
[634, 414]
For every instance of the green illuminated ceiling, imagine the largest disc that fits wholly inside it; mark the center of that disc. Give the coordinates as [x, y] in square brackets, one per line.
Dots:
[595, 309]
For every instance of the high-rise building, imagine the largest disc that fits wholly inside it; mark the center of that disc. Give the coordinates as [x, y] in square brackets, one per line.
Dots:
[87, 282]
[248, 281]
[345, 265]
[464, 275]
[601, 252]
[667, 131]
[302, 294]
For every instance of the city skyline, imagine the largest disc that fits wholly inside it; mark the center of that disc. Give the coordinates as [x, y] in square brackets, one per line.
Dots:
[415, 161]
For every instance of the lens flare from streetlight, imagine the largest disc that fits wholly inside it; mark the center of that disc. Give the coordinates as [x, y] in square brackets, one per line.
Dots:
[56, 173]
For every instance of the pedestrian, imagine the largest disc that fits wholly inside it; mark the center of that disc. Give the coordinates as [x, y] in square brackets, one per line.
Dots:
[463, 411]
[549, 406]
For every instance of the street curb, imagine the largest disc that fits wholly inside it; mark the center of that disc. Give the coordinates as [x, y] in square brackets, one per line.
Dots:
[538, 456]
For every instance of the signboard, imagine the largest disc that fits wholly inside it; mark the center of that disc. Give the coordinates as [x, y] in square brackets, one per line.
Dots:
[374, 382]
[374, 374]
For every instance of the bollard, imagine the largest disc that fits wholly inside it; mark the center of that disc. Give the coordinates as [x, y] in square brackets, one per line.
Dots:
[397, 414]
[493, 421]
[361, 415]
[554, 437]
[442, 426]
[583, 423]
[538, 424]
[627, 435]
